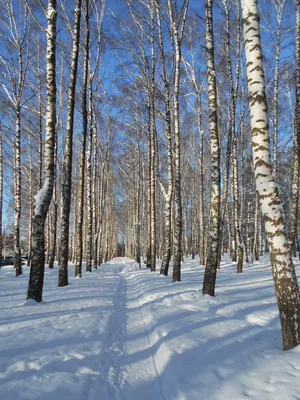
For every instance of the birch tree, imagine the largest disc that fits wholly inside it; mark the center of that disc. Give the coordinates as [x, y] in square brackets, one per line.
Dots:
[168, 134]
[214, 216]
[279, 7]
[285, 281]
[296, 143]
[198, 88]
[43, 197]
[89, 211]
[1, 191]
[177, 28]
[79, 227]
[14, 61]
[67, 158]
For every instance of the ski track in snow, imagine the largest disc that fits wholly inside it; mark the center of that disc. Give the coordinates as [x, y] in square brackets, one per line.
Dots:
[121, 333]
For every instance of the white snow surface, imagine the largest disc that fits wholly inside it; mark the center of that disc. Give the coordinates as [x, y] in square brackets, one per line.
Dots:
[121, 333]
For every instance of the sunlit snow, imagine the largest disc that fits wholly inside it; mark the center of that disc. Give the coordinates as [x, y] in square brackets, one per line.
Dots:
[121, 333]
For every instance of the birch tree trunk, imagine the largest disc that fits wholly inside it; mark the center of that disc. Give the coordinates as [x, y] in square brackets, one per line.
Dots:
[177, 28]
[192, 76]
[89, 237]
[225, 187]
[154, 154]
[166, 257]
[212, 259]
[43, 198]
[201, 184]
[95, 199]
[40, 119]
[17, 192]
[54, 214]
[1, 192]
[296, 143]
[149, 189]
[248, 241]
[67, 158]
[276, 89]
[236, 208]
[254, 253]
[285, 281]
[30, 203]
[295, 189]
[79, 228]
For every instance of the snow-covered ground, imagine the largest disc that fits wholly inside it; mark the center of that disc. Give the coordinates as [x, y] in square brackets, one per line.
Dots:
[121, 333]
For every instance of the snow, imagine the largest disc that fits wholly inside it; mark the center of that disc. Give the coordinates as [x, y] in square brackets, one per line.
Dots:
[40, 197]
[121, 333]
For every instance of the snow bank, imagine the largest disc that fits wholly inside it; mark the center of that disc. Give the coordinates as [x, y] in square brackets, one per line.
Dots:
[125, 333]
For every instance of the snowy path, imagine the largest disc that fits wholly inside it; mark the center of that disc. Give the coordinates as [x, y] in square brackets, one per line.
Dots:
[122, 333]
[140, 377]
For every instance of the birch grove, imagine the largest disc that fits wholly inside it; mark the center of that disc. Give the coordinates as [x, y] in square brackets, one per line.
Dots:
[159, 130]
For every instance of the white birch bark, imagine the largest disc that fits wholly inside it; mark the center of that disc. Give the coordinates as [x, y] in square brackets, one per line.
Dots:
[285, 282]
[224, 194]
[43, 198]
[17, 192]
[212, 258]
[296, 143]
[177, 27]
[168, 134]
[276, 88]
[1, 192]
[30, 202]
[89, 236]
[154, 154]
[79, 226]
[66, 184]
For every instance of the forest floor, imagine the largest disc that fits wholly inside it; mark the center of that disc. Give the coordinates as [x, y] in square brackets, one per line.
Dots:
[121, 333]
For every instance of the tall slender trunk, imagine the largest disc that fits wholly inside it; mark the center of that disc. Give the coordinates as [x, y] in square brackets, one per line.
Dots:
[53, 228]
[276, 92]
[201, 183]
[166, 257]
[30, 202]
[212, 259]
[243, 191]
[138, 206]
[89, 237]
[48, 235]
[67, 157]
[54, 213]
[285, 281]
[231, 129]
[254, 252]
[149, 191]
[17, 193]
[193, 216]
[177, 28]
[1, 192]
[236, 195]
[40, 122]
[79, 228]
[236, 208]
[101, 214]
[295, 186]
[248, 242]
[154, 154]
[43, 198]
[177, 165]
[95, 199]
